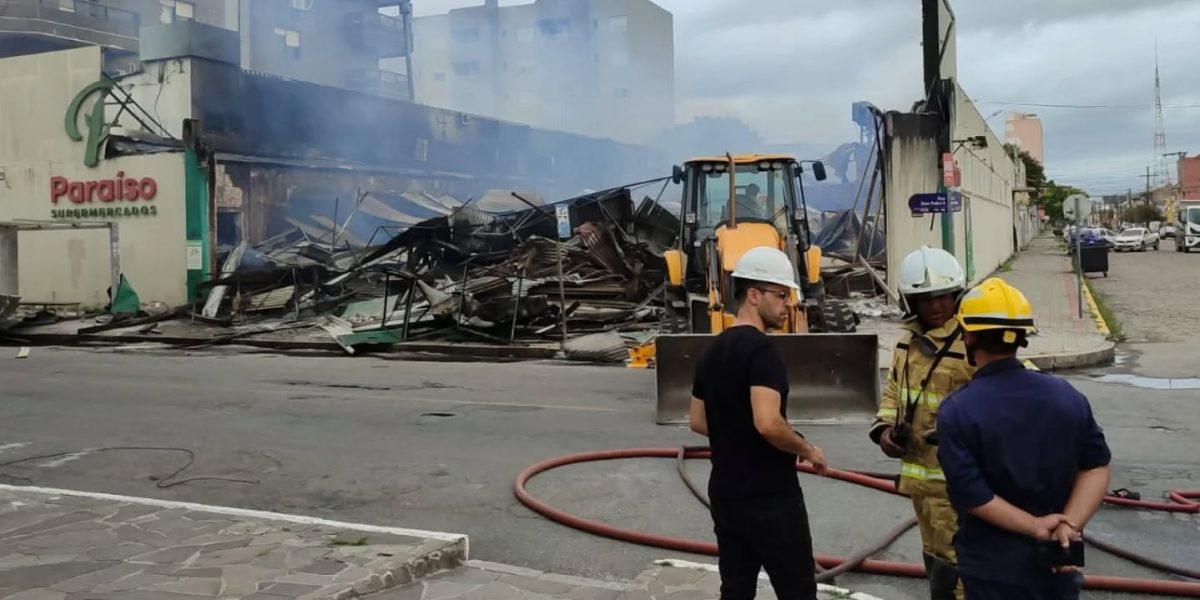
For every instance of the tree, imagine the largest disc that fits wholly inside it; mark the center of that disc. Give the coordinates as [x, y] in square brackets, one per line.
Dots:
[1053, 196]
[1035, 173]
[1142, 213]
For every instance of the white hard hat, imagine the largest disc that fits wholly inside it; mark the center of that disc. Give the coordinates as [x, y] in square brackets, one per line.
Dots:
[930, 270]
[767, 265]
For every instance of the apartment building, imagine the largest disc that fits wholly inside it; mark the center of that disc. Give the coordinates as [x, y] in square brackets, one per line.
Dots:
[338, 43]
[602, 68]
[1025, 130]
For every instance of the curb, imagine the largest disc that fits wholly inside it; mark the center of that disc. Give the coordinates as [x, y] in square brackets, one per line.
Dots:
[1104, 355]
[1101, 324]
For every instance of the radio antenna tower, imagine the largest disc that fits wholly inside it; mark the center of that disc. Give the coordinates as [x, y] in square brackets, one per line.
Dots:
[1162, 175]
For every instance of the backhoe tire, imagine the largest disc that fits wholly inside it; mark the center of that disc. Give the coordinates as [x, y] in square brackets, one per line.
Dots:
[836, 317]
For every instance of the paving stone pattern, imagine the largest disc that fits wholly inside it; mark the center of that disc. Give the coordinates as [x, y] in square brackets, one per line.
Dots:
[74, 548]
[480, 580]
[664, 582]
[490, 581]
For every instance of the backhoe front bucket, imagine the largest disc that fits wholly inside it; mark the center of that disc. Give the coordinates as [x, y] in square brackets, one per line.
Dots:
[834, 377]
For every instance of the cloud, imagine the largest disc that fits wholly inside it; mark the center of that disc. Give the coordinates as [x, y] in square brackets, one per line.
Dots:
[792, 69]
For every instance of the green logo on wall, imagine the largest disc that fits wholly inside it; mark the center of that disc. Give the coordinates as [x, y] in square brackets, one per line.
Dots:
[97, 128]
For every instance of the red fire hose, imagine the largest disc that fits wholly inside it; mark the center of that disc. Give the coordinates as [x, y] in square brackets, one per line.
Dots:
[1181, 502]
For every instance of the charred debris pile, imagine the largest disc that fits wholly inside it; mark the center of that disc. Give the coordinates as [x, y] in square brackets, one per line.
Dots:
[477, 272]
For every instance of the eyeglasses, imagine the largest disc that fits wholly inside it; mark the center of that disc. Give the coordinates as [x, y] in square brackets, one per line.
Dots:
[777, 293]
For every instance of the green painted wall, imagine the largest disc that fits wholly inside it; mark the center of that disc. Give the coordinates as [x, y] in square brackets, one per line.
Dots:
[197, 226]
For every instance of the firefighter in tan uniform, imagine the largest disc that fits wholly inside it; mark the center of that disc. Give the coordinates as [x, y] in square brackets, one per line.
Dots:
[929, 362]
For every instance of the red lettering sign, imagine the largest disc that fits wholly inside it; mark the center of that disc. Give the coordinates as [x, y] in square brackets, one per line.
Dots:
[950, 174]
[117, 189]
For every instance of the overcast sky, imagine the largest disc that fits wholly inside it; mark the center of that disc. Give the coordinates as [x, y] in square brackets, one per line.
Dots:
[792, 68]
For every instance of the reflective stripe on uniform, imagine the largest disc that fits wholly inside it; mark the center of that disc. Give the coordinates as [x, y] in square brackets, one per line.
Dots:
[929, 399]
[921, 473]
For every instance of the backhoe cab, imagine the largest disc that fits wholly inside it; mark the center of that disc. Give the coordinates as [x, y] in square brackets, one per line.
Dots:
[730, 205]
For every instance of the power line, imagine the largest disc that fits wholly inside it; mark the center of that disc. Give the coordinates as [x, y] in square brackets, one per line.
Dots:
[1086, 106]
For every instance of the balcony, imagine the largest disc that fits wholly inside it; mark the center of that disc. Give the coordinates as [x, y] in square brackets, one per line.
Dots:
[378, 82]
[380, 35]
[31, 26]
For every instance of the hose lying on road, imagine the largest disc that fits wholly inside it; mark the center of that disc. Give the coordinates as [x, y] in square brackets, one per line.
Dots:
[836, 564]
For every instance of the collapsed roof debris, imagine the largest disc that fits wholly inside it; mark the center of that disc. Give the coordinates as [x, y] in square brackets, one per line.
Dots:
[491, 271]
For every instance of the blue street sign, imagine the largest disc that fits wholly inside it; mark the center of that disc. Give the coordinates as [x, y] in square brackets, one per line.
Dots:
[924, 204]
[563, 215]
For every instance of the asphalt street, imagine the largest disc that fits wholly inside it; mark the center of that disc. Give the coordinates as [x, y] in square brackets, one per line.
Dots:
[436, 445]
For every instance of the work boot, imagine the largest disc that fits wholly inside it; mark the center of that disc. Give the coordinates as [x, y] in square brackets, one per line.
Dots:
[943, 578]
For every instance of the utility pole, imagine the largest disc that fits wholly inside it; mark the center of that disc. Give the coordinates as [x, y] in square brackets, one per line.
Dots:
[1146, 200]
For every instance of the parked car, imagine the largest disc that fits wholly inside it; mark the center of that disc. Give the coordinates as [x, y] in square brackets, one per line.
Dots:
[1136, 238]
[1167, 232]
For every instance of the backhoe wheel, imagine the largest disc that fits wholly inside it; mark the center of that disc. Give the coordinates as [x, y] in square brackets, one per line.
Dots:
[836, 317]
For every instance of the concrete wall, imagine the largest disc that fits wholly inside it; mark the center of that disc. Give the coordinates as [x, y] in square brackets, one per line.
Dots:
[73, 266]
[912, 155]
[984, 235]
[164, 89]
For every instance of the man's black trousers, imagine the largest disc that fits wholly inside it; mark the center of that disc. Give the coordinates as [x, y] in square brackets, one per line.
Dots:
[770, 532]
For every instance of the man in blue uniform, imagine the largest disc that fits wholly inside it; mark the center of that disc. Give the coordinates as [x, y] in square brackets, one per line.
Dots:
[1026, 464]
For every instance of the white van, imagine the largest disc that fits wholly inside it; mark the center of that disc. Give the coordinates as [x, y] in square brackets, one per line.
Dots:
[1187, 226]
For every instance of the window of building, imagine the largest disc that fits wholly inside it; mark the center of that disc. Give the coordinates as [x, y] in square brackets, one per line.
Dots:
[525, 34]
[291, 40]
[422, 149]
[618, 24]
[621, 93]
[185, 10]
[439, 75]
[466, 69]
[526, 68]
[302, 4]
[466, 36]
[66, 5]
[555, 28]
[174, 11]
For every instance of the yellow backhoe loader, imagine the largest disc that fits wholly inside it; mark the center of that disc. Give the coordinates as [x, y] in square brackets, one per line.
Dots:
[730, 205]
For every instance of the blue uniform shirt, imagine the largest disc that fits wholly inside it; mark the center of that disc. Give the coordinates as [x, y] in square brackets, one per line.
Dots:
[1021, 435]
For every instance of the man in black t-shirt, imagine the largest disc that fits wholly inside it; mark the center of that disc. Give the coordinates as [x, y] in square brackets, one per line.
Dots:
[739, 400]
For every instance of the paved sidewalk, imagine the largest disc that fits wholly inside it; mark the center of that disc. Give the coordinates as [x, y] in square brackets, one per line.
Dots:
[669, 580]
[69, 547]
[59, 545]
[1044, 274]
[480, 580]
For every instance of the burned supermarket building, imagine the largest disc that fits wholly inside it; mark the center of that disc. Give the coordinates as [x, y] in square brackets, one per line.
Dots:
[197, 160]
